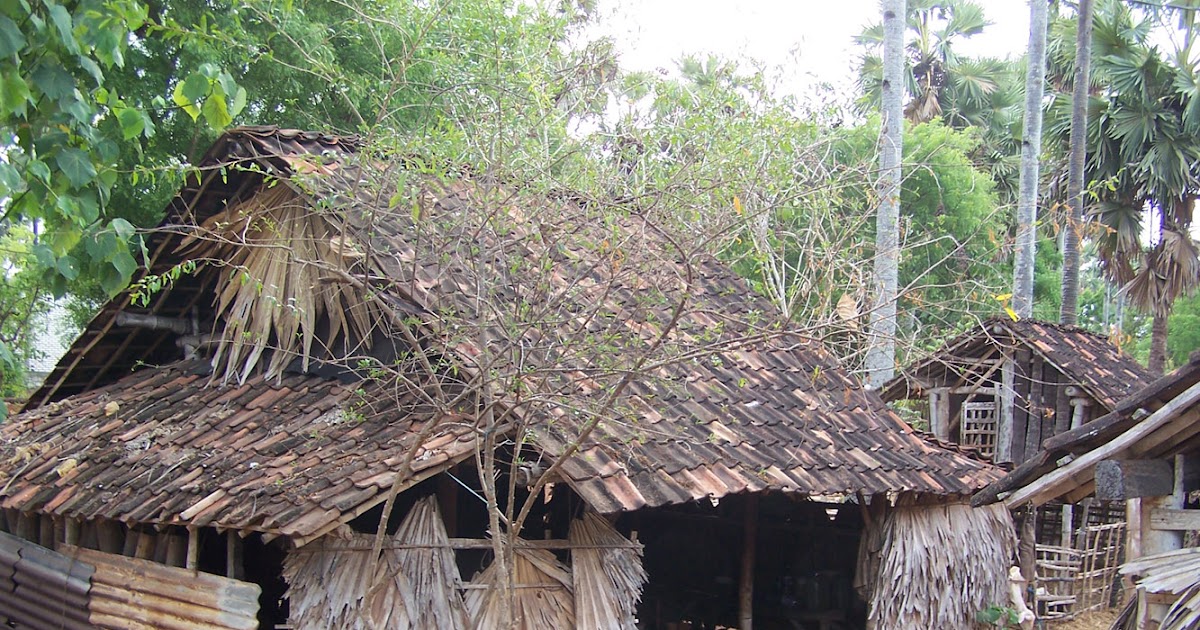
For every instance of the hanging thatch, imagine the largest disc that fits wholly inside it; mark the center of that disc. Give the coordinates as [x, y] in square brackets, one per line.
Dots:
[542, 595]
[279, 302]
[934, 567]
[608, 575]
[416, 587]
[1176, 572]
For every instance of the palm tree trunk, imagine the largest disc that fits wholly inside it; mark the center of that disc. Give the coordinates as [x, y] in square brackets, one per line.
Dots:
[1074, 227]
[1158, 343]
[1031, 149]
[881, 349]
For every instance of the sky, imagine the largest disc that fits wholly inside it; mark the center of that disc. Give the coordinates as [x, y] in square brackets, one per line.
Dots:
[808, 41]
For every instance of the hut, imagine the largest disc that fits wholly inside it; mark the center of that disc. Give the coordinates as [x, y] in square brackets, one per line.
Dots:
[310, 391]
[1005, 386]
[1144, 458]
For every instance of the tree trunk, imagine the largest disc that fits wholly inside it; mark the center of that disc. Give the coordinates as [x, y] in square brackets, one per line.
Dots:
[1075, 170]
[1031, 149]
[1158, 343]
[881, 350]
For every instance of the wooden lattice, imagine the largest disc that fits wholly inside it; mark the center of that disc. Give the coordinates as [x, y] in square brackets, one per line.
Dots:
[1058, 570]
[1099, 559]
[978, 426]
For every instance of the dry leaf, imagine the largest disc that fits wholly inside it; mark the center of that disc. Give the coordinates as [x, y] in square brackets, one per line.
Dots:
[66, 466]
[847, 309]
[111, 408]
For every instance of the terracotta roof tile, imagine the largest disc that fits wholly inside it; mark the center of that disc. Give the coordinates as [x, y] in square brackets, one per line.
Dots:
[160, 463]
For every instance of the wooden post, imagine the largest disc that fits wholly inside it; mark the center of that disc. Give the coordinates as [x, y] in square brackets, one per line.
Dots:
[233, 555]
[193, 547]
[177, 548]
[746, 584]
[46, 531]
[71, 535]
[145, 545]
[109, 536]
[1068, 523]
[939, 412]
[1027, 545]
[131, 541]
[1004, 425]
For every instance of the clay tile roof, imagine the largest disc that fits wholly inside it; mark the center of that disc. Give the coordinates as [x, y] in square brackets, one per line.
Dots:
[164, 446]
[773, 412]
[1087, 359]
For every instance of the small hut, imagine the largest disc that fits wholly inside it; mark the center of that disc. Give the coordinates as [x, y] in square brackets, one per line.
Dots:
[1005, 386]
[228, 425]
[1144, 458]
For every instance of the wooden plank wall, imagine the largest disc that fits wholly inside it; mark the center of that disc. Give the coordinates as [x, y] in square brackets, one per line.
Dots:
[1041, 408]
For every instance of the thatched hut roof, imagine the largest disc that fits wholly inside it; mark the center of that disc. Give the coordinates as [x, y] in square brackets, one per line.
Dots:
[754, 408]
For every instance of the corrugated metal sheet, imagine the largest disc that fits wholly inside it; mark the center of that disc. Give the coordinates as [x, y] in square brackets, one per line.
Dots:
[80, 588]
[133, 593]
[40, 588]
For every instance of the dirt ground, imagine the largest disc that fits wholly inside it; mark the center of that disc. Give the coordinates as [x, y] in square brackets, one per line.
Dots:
[1096, 620]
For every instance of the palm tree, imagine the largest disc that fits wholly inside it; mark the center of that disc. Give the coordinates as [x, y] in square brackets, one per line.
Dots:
[961, 91]
[1075, 167]
[881, 351]
[1146, 137]
[1031, 143]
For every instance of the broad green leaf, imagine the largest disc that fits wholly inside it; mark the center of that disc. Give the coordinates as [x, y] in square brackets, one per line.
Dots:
[124, 263]
[215, 112]
[76, 165]
[11, 38]
[66, 30]
[133, 124]
[239, 101]
[77, 107]
[123, 228]
[53, 80]
[68, 267]
[14, 95]
[195, 87]
[112, 280]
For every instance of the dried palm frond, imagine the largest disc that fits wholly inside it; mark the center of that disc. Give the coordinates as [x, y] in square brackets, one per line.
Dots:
[937, 566]
[412, 588]
[608, 575]
[276, 302]
[542, 593]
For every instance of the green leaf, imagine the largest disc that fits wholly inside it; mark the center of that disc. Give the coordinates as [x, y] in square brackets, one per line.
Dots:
[66, 30]
[76, 165]
[123, 228]
[68, 267]
[123, 262]
[53, 80]
[195, 87]
[14, 95]
[11, 39]
[215, 112]
[239, 101]
[112, 280]
[133, 124]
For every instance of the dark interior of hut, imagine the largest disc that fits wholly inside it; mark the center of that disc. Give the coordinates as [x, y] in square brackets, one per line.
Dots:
[805, 555]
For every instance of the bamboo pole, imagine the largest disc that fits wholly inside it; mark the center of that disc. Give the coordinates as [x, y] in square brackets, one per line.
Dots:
[746, 583]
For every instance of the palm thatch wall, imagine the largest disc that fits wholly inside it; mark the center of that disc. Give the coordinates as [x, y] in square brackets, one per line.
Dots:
[934, 567]
[413, 587]
[608, 575]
